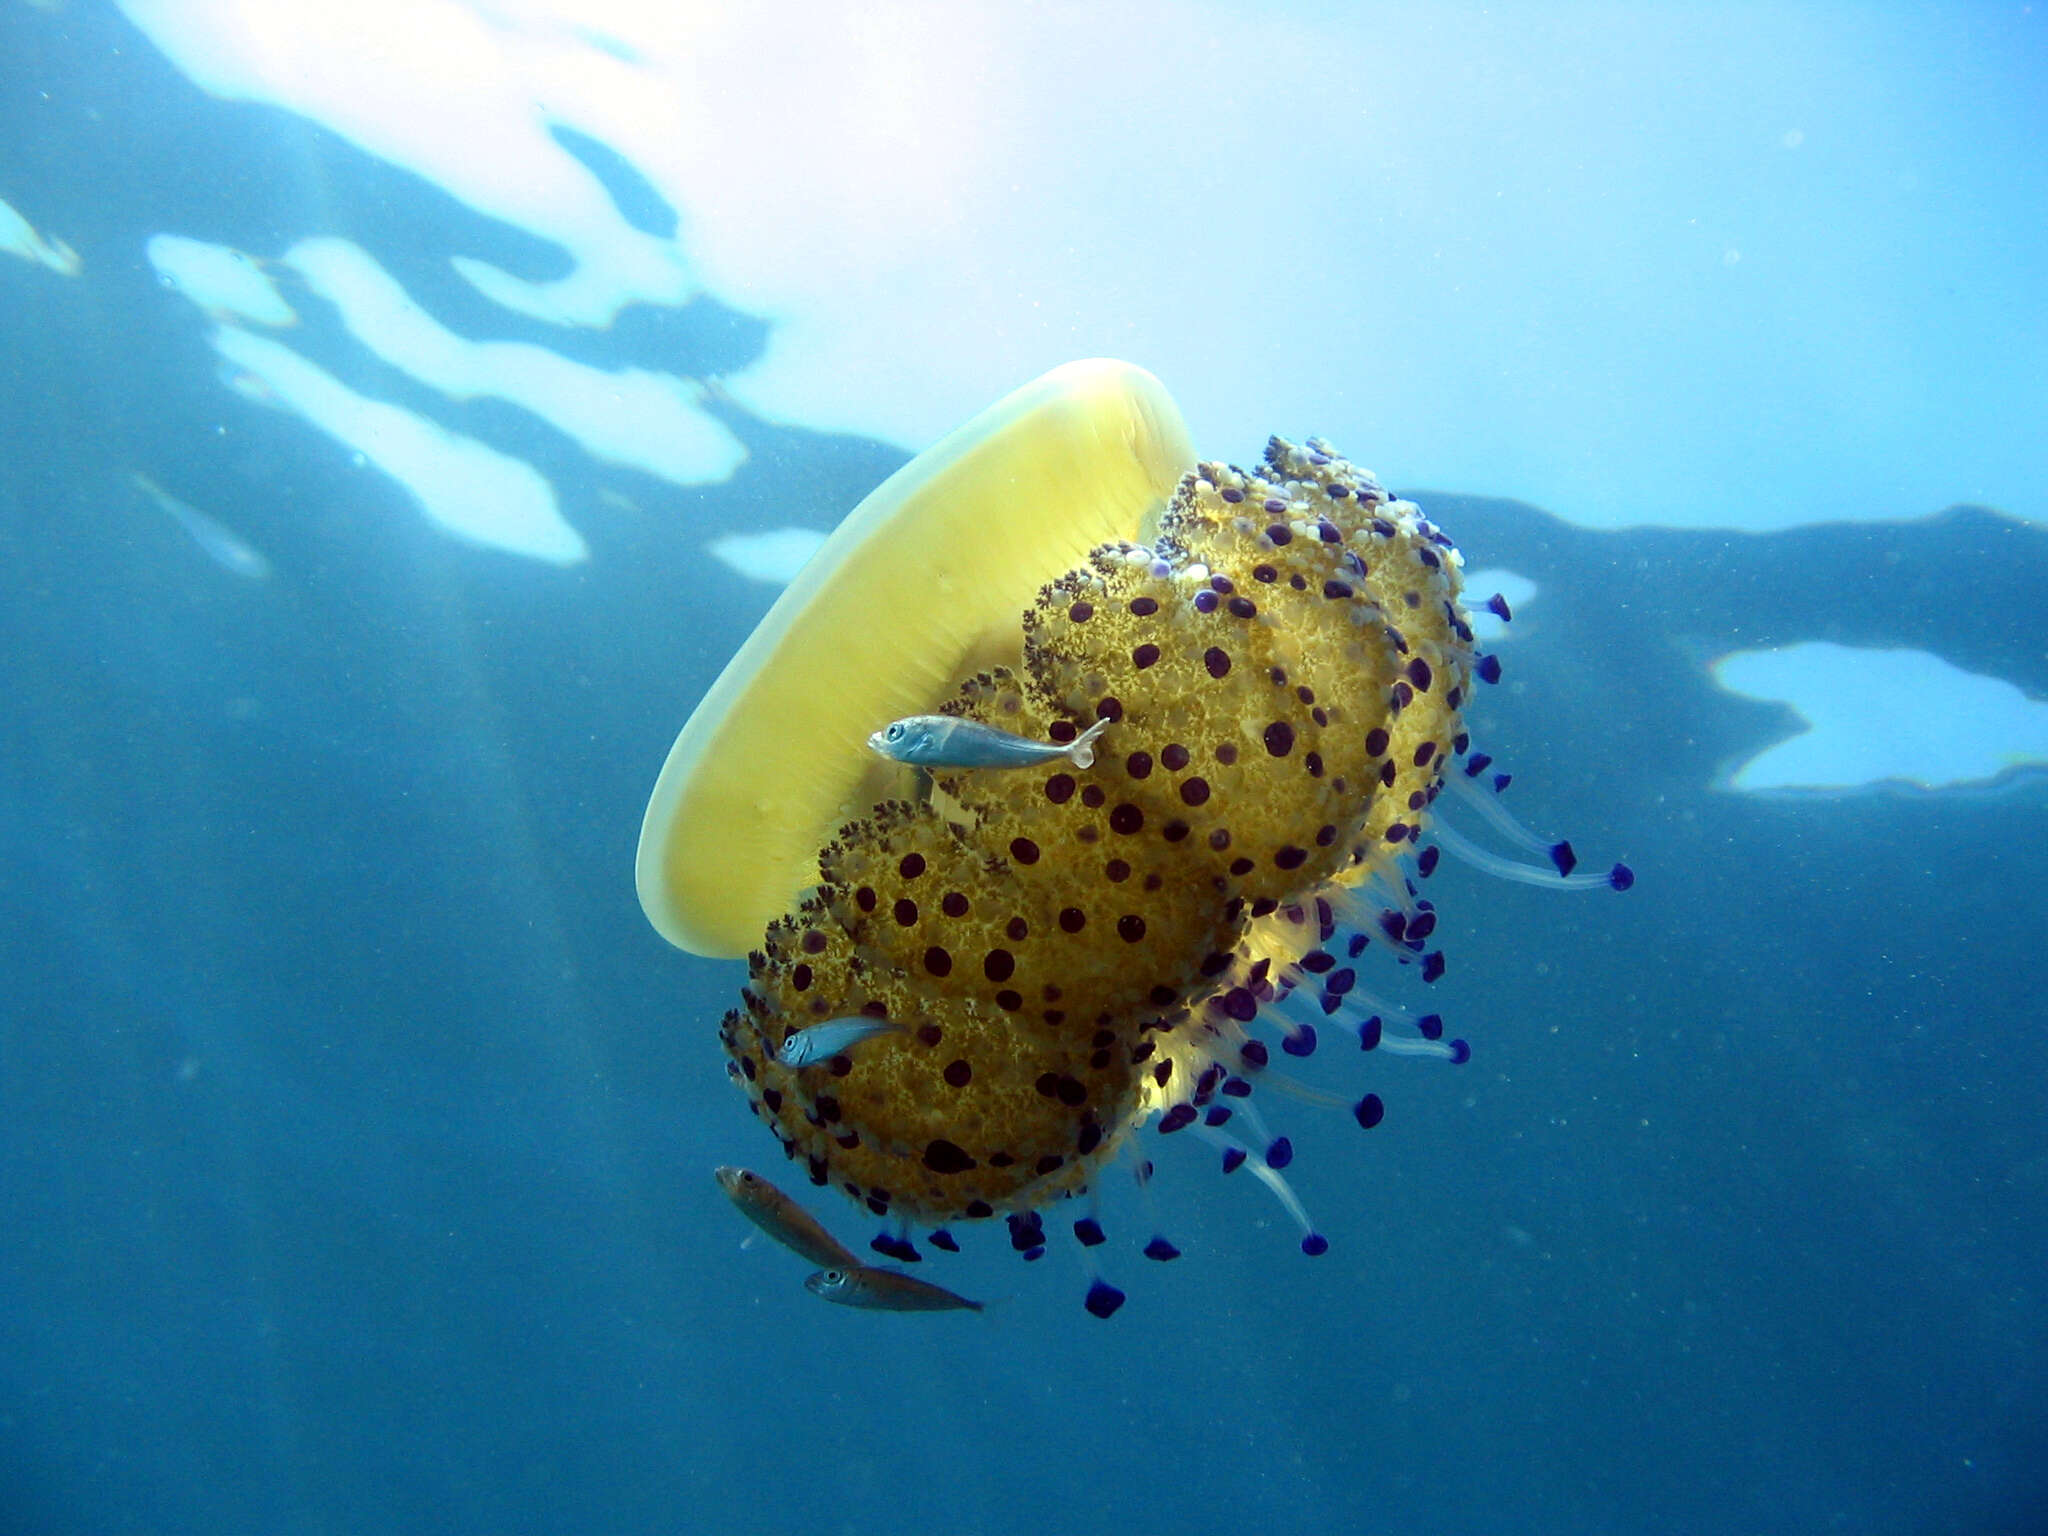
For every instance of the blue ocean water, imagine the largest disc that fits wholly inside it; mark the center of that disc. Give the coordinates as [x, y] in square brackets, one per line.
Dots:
[355, 1127]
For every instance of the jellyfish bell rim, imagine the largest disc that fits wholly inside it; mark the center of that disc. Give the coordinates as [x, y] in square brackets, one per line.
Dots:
[775, 758]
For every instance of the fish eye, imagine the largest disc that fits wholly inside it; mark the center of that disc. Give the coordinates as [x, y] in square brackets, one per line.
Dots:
[894, 733]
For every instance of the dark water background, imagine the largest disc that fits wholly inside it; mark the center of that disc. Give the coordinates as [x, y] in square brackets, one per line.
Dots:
[355, 1128]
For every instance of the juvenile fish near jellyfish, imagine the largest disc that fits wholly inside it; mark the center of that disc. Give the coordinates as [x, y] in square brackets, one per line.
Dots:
[783, 1219]
[821, 1042]
[947, 741]
[885, 1290]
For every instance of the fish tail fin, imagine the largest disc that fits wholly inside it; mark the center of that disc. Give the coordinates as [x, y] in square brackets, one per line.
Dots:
[1082, 753]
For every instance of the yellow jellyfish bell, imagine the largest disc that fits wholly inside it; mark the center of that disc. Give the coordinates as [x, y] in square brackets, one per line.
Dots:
[919, 587]
[1067, 952]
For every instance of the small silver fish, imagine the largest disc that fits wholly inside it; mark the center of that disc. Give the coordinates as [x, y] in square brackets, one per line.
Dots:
[884, 1290]
[783, 1219]
[222, 545]
[946, 741]
[820, 1042]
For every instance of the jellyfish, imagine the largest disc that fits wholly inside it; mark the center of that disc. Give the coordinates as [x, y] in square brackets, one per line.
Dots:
[1069, 955]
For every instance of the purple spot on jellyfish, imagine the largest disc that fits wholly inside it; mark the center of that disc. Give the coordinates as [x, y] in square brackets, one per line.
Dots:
[1103, 1298]
[942, 1156]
